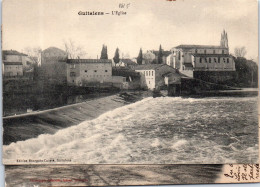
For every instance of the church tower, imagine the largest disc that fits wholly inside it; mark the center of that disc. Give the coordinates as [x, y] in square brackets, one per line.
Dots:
[224, 39]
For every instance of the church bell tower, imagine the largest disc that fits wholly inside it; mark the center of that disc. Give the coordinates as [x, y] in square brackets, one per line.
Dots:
[224, 39]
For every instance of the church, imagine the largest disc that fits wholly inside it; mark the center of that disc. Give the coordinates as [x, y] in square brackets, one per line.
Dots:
[206, 62]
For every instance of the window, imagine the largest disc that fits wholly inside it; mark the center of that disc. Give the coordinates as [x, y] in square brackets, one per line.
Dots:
[152, 73]
[227, 60]
[72, 74]
[95, 70]
[149, 73]
[179, 55]
[196, 50]
[218, 59]
[146, 73]
[222, 51]
[205, 51]
[224, 60]
[214, 51]
[206, 60]
[200, 60]
[209, 60]
[105, 70]
[215, 60]
[149, 82]
[72, 66]
[86, 71]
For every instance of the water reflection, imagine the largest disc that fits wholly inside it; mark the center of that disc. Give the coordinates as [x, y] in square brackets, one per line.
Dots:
[25, 103]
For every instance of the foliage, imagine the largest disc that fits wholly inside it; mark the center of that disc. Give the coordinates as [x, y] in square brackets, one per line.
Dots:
[160, 55]
[104, 52]
[240, 51]
[74, 51]
[116, 57]
[246, 72]
[140, 57]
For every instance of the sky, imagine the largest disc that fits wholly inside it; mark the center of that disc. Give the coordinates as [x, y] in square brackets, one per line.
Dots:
[147, 24]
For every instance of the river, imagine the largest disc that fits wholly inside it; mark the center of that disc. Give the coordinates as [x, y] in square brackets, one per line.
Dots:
[160, 130]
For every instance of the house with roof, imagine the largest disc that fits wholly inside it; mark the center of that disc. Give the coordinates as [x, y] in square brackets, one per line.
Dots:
[127, 63]
[53, 67]
[153, 75]
[12, 69]
[15, 56]
[84, 72]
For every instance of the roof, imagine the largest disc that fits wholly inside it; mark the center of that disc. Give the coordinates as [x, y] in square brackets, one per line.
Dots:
[200, 46]
[211, 55]
[89, 61]
[128, 61]
[51, 49]
[13, 63]
[125, 72]
[13, 52]
[148, 66]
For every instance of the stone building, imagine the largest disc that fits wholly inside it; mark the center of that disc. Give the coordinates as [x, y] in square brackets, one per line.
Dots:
[153, 75]
[206, 62]
[15, 56]
[12, 69]
[84, 72]
[53, 66]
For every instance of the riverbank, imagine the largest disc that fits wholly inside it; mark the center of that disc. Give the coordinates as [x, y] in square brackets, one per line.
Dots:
[26, 126]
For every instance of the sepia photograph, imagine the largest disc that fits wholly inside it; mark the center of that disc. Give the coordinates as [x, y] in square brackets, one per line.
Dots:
[129, 82]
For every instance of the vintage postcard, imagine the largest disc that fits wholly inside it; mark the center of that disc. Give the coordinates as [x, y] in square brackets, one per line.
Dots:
[130, 82]
[124, 175]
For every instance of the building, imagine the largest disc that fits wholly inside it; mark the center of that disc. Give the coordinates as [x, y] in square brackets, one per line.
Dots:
[15, 56]
[206, 62]
[151, 56]
[87, 72]
[131, 78]
[127, 63]
[12, 69]
[153, 75]
[53, 66]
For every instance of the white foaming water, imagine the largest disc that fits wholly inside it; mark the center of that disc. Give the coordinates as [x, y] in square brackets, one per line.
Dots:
[151, 131]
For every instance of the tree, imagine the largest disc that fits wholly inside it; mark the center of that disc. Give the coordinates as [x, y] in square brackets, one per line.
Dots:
[74, 51]
[160, 55]
[34, 53]
[104, 52]
[140, 57]
[240, 51]
[246, 72]
[116, 57]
